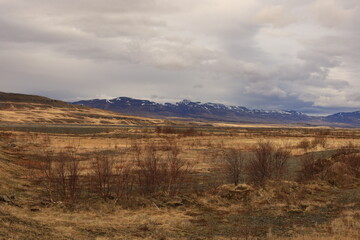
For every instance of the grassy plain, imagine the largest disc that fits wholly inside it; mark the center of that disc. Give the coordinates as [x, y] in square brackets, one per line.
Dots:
[207, 205]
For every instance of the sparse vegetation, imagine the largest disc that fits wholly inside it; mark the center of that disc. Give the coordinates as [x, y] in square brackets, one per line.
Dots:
[319, 141]
[234, 162]
[173, 130]
[304, 144]
[161, 173]
[269, 162]
[139, 183]
[61, 176]
[102, 174]
[311, 167]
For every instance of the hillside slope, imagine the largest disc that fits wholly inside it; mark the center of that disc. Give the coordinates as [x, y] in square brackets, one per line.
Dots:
[21, 108]
[345, 117]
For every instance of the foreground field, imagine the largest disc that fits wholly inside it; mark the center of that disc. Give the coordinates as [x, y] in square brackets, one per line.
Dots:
[317, 197]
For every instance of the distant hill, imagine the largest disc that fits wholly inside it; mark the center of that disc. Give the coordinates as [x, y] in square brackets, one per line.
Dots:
[352, 118]
[22, 108]
[16, 98]
[218, 112]
[197, 110]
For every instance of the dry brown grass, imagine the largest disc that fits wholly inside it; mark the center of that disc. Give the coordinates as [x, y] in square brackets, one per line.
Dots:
[105, 223]
[200, 215]
[38, 113]
[345, 227]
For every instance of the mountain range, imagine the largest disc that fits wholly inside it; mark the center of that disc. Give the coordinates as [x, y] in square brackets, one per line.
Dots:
[218, 112]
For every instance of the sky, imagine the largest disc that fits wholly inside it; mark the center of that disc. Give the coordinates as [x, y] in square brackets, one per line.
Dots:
[299, 55]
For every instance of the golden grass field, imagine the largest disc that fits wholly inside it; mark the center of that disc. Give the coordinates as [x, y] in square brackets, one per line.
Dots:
[207, 206]
[38, 113]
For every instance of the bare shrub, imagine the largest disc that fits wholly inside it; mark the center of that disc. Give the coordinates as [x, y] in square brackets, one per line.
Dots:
[353, 160]
[136, 149]
[178, 170]
[151, 170]
[279, 162]
[60, 175]
[47, 175]
[307, 170]
[72, 164]
[269, 162]
[160, 172]
[123, 180]
[349, 154]
[318, 141]
[233, 166]
[304, 144]
[311, 168]
[349, 148]
[102, 172]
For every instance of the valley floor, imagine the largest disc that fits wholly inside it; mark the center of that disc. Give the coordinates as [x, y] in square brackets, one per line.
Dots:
[214, 209]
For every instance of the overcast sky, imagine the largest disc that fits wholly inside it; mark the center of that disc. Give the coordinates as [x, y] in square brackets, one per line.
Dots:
[270, 54]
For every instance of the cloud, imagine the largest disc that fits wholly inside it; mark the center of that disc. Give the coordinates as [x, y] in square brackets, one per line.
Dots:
[334, 13]
[275, 15]
[289, 55]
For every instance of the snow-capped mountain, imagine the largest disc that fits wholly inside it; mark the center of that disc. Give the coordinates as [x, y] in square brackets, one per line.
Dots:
[345, 117]
[196, 110]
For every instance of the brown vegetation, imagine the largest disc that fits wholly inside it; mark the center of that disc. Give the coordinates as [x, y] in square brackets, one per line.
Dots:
[234, 165]
[141, 183]
[61, 175]
[269, 162]
[102, 173]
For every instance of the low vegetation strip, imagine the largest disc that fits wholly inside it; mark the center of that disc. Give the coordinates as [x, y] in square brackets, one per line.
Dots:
[219, 184]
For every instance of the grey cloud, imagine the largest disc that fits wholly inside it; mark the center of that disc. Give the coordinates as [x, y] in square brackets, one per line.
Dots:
[332, 13]
[210, 50]
[120, 26]
[20, 32]
[91, 6]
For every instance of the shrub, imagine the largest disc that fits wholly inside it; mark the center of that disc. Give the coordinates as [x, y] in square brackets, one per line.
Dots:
[102, 174]
[349, 155]
[60, 175]
[72, 165]
[157, 173]
[353, 160]
[311, 167]
[347, 149]
[178, 170]
[123, 180]
[233, 165]
[48, 176]
[151, 170]
[269, 162]
[321, 141]
[279, 161]
[304, 144]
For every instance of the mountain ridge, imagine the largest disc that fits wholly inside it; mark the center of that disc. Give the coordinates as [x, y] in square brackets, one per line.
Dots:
[218, 112]
[13, 105]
